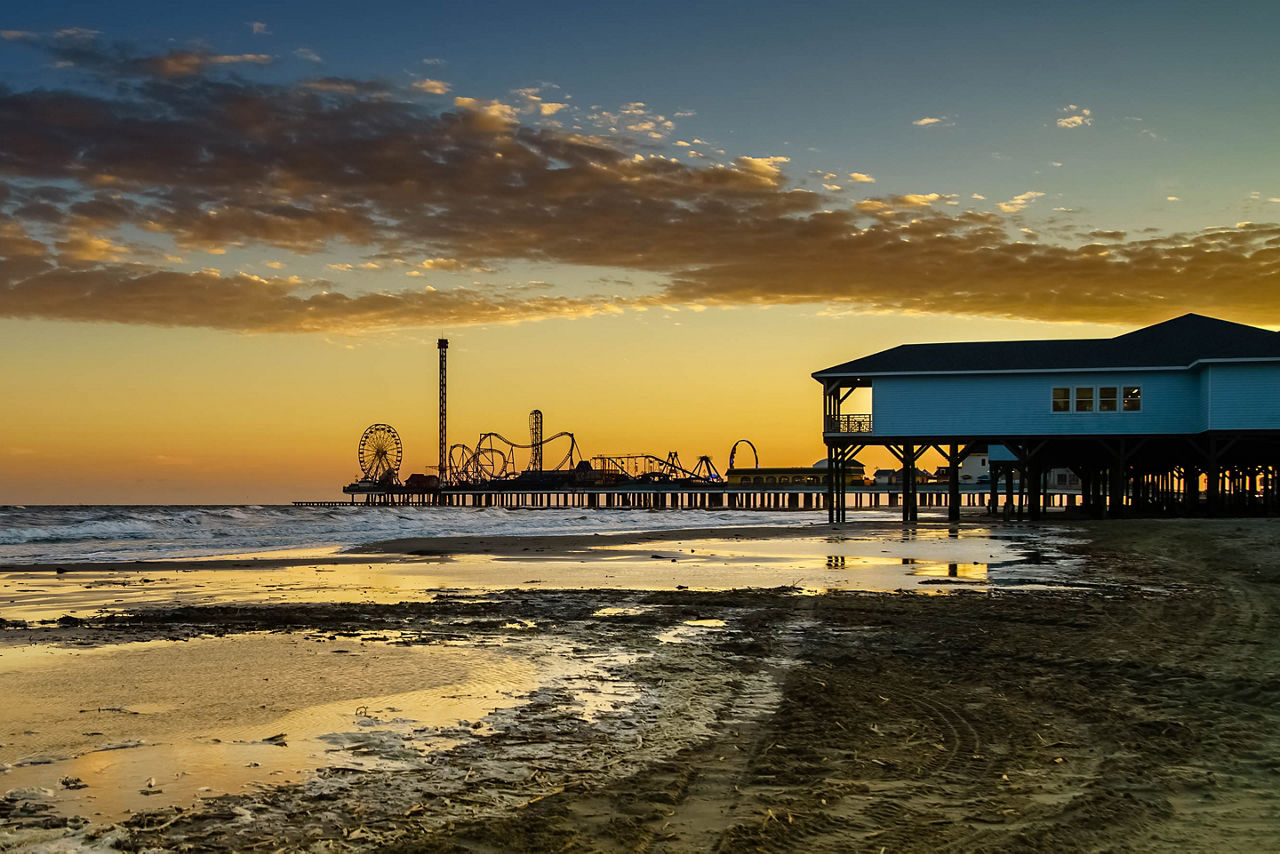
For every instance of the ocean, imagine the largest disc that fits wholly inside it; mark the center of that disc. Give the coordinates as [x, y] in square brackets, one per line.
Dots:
[80, 534]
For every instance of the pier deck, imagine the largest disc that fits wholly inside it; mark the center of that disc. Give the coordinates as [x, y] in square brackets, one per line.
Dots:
[676, 497]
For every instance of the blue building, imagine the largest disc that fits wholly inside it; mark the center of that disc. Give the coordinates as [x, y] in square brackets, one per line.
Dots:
[1141, 418]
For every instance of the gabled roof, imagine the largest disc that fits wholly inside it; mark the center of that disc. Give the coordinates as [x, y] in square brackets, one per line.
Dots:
[1175, 343]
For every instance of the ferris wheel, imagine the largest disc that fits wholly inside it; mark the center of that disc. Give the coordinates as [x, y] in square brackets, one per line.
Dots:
[380, 452]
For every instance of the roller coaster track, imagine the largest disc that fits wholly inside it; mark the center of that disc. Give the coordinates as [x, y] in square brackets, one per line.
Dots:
[733, 452]
[494, 457]
[647, 465]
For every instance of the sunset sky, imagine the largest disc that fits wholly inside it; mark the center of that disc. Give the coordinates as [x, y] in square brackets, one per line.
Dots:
[230, 233]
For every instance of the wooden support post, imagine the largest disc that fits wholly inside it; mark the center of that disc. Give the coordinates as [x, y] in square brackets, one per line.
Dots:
[831, 484]
[953, 484]
[1035, 490]
[1008, 491]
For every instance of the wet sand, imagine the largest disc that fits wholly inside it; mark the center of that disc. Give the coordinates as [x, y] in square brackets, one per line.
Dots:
[1109, 686]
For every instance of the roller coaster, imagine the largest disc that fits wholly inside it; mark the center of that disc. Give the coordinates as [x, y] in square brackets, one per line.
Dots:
[495, 458]
[647, 467]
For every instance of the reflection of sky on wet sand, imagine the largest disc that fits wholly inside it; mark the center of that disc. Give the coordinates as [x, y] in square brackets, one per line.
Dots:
[862, 561]
[141, 742]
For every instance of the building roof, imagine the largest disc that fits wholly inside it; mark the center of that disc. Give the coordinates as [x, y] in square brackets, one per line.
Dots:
[1176, 343]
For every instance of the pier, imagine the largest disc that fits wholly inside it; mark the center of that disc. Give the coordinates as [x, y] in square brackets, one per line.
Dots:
[797, 497]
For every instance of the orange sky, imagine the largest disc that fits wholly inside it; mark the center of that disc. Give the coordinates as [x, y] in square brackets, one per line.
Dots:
[118, 414]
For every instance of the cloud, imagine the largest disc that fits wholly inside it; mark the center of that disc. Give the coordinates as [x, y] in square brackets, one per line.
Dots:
[767, 169]
[1020, 201]
[635, 118]
[1077, 117]
[308, 54]
[1172, 199]
[180, 63]
[934, 121]
[83, 246]
[442, 264]
[258, 28]
[966, 264]
[433, 87]
[345, 86]
[488, 114]
[249, 303]
[861, 178]
[81, 48]
[919, 200]
[208, 162]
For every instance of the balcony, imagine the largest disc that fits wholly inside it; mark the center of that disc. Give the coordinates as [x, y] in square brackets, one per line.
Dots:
[848, 424]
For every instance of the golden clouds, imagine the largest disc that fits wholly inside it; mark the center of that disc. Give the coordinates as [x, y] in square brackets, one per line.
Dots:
[767, 169]
[247, 303]
[211, 165]
[81, 245]
[432, 87]
[489, 115]
[1076, 117]
[1020, 201]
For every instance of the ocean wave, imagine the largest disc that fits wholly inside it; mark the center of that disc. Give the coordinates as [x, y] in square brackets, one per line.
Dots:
[81, 534]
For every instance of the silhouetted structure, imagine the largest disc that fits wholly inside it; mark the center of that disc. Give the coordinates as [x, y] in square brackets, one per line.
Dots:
[442, 345]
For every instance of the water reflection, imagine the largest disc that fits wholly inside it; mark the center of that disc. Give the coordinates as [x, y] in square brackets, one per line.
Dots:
[870, 560]
[140, 741]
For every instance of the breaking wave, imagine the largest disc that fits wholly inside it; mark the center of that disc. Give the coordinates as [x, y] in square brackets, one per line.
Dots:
[119, 533]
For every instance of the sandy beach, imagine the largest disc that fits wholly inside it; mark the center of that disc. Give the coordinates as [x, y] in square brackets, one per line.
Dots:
[1070, 687]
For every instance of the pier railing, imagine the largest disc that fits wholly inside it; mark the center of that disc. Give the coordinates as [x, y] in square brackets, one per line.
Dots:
[848, 423]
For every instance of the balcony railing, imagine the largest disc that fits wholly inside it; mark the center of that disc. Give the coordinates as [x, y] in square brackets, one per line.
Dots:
[848, 424]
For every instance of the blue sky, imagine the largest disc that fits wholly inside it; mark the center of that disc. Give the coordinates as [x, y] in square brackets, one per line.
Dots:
[1178, 93]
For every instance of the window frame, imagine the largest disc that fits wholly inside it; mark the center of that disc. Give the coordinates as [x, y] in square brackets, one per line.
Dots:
[1122, 402]
[1087, 401]
[1114, 400]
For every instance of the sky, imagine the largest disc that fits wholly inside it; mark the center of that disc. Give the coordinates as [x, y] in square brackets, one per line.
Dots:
[230, 234]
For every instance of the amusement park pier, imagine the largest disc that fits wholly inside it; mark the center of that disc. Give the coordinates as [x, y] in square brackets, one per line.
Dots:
[550, 471]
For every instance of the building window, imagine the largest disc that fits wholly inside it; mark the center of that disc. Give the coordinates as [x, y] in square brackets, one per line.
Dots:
[1107, 399]
[1062, 400]
[1133, 398]
[1084, 399]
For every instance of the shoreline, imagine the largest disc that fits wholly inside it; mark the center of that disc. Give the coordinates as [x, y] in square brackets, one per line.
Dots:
[408, 548]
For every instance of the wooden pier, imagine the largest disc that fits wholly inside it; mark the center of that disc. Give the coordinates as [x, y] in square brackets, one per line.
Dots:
[798, 497]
